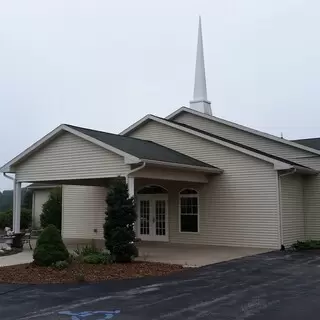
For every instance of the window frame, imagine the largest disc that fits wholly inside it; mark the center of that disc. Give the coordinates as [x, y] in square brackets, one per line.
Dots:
[191, 195]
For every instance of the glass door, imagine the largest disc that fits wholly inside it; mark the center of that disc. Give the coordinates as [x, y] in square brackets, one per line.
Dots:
[153, 218]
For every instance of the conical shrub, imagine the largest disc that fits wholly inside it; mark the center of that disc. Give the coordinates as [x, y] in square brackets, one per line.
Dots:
[50, 247]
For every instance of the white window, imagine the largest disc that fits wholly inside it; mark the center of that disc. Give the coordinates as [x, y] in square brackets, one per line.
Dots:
[189, 210]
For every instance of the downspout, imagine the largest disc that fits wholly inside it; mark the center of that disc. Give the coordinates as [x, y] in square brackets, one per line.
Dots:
[136, 169]
[132, 185]
[292, 171]
[8, 177]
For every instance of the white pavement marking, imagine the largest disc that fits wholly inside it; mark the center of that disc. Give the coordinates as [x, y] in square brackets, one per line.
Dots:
[122, 294]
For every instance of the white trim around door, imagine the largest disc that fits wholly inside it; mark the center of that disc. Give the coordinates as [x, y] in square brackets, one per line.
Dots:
[152, 222]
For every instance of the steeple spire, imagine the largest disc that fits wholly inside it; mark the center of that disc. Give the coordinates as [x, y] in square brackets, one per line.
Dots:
[200, 102]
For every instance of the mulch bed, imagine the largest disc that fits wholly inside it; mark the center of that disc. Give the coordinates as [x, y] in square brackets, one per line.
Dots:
[78, 272]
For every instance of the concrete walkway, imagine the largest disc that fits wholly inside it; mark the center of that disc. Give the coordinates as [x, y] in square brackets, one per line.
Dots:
[192, 255]
[186, 255]
[19, 258]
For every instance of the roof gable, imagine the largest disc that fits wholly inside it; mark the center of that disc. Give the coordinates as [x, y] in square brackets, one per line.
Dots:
[279, 163]
[133, 150]
[142, 149]
[293, 143]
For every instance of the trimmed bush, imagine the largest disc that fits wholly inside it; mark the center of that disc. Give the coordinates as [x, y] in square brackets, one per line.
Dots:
[50, 247]
[52, 209]
[60, 265]
[97, 258]
[86, 250]
[25, 219]
[120, 217]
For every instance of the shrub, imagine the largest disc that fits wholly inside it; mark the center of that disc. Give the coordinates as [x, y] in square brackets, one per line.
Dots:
[306, 245]
[5, 219]
[60, 265]
[52, 209]
[120, 217]
[98, 258]
[86, 250]
[50, 248]
[25, 219]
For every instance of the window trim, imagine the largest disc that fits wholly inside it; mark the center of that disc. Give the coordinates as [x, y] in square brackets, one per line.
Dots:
[192, 195]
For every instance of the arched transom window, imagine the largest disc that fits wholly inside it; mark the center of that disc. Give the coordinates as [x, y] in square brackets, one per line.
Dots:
[152, 189]
[189, 210]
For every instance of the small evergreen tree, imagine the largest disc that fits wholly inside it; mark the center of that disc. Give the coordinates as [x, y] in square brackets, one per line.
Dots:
[50, 247]
[120, 218]
[52, 209]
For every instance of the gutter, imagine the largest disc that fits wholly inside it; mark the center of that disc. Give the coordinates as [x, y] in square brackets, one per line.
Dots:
[279, 176]
[183, 166]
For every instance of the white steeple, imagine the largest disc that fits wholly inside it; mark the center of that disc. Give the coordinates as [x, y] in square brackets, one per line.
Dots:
[200, 102]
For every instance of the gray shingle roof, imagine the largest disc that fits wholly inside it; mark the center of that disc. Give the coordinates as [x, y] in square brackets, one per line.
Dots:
[237, 144]
[311, 142]
[142, 149]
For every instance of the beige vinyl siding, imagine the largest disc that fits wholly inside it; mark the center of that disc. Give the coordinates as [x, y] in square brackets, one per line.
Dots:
[239, 207]
[312, 189]
[249, 139]
[70, 157]
[293, 219]
[40, 197]
[83, 211]
[312, 206]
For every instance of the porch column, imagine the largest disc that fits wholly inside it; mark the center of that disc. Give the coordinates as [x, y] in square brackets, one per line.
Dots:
[14, 205]
[130, 182]
[17, 207]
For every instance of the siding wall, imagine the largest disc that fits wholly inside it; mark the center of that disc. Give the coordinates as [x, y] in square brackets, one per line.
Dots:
[312, 206]
[293, 218]
[236, 208]
[83, 211]
[311, 184]
[70, 157]
[40, 197]
[249, 139]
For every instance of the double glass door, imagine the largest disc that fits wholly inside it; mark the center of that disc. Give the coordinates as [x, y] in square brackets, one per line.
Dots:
[153, 217]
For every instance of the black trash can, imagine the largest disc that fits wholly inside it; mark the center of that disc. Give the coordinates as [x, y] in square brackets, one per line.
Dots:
[17, 240]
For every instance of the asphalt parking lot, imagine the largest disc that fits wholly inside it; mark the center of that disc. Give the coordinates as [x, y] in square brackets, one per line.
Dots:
[268, 286]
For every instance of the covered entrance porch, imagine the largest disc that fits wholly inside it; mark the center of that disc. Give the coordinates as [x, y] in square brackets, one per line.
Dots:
[168, 186]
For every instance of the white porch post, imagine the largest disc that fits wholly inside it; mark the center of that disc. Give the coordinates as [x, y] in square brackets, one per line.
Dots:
[130, 182]
[14, 205]
[17, 207]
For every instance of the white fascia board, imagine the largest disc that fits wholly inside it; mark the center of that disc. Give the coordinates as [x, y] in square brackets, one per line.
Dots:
[135, 125]
[8, 166]
[183, 166]
[243, 128]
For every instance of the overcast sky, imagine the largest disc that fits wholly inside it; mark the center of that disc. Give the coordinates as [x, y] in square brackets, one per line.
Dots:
[105, 64]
